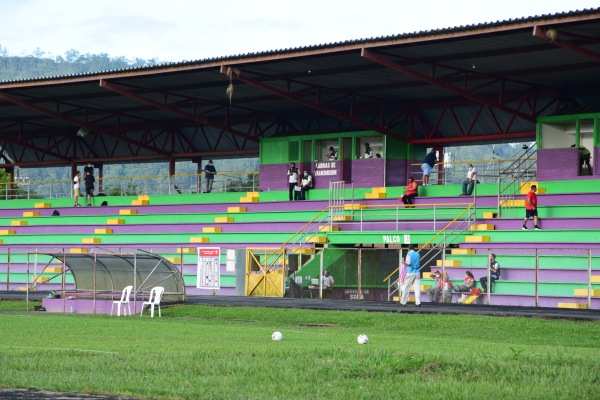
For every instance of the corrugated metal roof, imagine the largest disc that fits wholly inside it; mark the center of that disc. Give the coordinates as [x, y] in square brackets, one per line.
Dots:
[486, 81]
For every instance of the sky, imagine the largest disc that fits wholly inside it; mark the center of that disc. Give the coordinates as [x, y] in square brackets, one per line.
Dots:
[178, 30]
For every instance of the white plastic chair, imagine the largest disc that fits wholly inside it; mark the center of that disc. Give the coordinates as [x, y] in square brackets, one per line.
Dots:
[154, 300]
[124, 301]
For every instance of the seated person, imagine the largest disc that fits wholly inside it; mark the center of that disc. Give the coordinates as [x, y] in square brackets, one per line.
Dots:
[412, 191]
[469, 184]
[435, 293]
[468, 283]
[447, 288]
[306, 184]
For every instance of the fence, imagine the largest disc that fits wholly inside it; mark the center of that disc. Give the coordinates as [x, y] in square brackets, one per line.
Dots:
[132, 185]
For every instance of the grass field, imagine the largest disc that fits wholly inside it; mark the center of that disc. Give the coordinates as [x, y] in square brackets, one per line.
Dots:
[204, 352]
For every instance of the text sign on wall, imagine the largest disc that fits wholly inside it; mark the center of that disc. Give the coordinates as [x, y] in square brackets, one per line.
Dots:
[209, 268]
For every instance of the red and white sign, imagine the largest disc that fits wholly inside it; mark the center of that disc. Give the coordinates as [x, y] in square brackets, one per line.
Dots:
[209, 268]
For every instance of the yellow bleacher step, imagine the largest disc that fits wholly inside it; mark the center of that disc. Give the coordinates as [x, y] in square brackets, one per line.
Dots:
[526, 188]
[7, 231]
[139, 202]
[355, 206]
[53, 269]
[477, 239]
[116, 221]
[317, 239]
[174, 260]
[427, 275]
[223, 219]
[143, 197]
[199, 240]
[342, 218]
[302, 251]
[379, 190]
[103, 231]
[31, 214]
[584, 292]
[1, 241]
[512, 203]
[90, 240]
[423, 288]
[482, 227]
[248, 199]
[448, 263]
[375, 195]
[572, 305]
[595, 279]
[41, 205]
[127, 212]
[328, 228]
[186, 250]
[39, 279]
[78, 250]
[490, 215]
[18, 223]
[211, 229]
[236, 209]
[462, 251]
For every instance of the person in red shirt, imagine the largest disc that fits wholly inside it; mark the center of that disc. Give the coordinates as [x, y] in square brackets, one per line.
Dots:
[531, 209]
[412, 190]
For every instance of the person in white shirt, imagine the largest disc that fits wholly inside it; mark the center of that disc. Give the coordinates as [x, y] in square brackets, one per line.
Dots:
[76, 188]
[333, 154]
[469, 183]
[368, 151]
[306, 184]
[327, 280]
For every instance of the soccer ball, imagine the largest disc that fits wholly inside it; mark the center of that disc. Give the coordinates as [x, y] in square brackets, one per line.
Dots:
[277, 336]
[362, 339]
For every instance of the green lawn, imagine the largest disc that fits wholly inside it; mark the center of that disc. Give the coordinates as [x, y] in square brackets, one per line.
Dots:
[204, 352]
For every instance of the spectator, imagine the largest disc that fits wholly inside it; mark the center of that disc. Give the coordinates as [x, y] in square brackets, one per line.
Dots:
[368, 151]
[292, 180]
[413, 276]
[427, 166]
[89, 168]
[531, 209]
[584, 160]
[469, 184]
[412, 191]
[447, 288]
[333, 154]
[76, 190]
[307, 182]
[327, 280]
[89, 186]
[434, 293]
[209, 174]
[468, 283]
[494, 273]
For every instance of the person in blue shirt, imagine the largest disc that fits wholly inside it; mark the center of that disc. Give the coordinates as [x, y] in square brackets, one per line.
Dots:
[209, 174]
[427, 166]
[413, 276]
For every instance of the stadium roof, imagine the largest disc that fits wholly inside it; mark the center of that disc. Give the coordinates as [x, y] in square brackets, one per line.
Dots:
[485, 82]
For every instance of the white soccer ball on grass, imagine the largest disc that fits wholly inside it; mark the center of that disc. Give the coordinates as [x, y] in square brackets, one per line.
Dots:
[362, 339]
[277, 336]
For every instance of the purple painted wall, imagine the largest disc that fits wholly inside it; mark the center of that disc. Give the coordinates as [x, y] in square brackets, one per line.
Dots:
[557, 164]
[365, 173]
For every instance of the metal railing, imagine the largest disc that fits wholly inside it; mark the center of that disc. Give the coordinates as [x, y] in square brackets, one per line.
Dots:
[132, 185]
[512, 178]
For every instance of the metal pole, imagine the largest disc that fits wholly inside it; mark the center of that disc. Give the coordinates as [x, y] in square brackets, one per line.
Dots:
[358, 296]
[537, 277]
[589, 291]
[320, 273]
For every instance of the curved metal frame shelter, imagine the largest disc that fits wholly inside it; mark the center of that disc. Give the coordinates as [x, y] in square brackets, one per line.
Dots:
[107, 274]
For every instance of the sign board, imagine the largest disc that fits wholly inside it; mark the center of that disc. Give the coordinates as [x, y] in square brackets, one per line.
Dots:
[209, 268]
